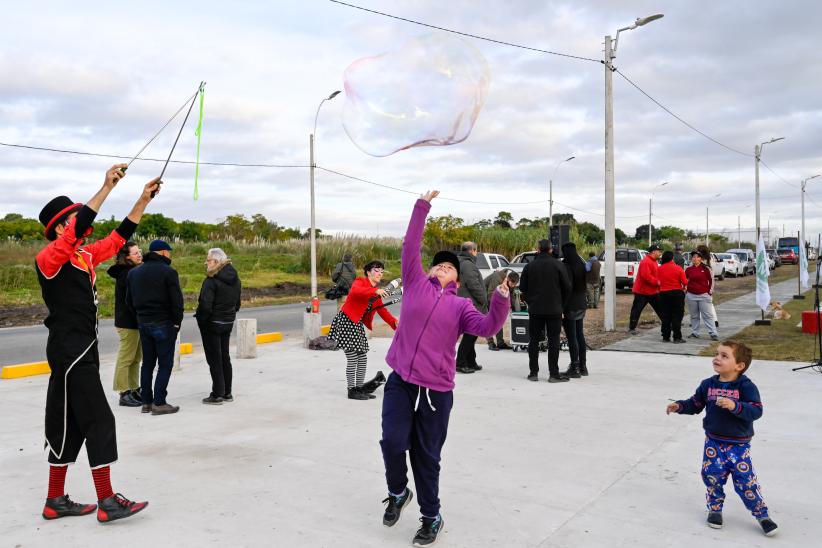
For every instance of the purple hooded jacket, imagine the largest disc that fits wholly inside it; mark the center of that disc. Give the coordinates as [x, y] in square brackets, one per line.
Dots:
[432, 318]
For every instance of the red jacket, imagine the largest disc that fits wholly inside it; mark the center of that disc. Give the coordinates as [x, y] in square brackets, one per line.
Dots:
[672, 277]
[357, 302]
[647, 277]
[700, 279]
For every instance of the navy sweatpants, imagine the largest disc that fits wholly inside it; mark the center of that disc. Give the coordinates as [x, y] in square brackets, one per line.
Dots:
[414, 420]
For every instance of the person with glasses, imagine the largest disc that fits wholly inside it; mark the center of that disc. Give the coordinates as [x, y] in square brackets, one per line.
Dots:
[130, 354]
[348, 329]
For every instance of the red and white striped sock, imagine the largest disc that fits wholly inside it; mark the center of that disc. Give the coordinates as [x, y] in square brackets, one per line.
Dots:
[102, 482]
[57, 481]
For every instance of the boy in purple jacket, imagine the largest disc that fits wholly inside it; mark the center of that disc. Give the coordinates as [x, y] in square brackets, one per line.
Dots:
[419, 393]
[731, 402]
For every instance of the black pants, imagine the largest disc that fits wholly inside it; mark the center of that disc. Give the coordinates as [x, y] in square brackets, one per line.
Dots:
[215, 345]
[467, 351]
[500, 339]
[537, 325]
[639, 303]
[672, 306]
[575, 334]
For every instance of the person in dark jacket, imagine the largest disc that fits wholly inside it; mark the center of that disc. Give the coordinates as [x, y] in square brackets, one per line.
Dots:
[217, 308]
[544, 283]
[471, 287]
[573, 315]
[77, 412]
[343, 276]
[493, 281]
[153, 293]
[129, 355]
[593, 280]
[678, 259]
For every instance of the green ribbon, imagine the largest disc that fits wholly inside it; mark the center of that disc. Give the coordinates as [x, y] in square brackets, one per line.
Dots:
[198, 133]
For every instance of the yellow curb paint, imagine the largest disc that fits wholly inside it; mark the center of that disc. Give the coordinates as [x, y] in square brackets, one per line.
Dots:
[264, 338]
[325, 329]
[186, 348]
[25, 370]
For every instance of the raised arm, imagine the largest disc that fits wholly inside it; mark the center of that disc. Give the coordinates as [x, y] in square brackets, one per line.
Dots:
[693, 405]
[486, 325]
[412, 243]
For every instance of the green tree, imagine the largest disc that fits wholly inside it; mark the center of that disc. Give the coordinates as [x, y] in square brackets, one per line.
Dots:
[590, 233]
[564, 219]
[156, 225]
[504, 219]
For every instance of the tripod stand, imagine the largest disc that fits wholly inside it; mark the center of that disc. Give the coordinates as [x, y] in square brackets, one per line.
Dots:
[816, 362]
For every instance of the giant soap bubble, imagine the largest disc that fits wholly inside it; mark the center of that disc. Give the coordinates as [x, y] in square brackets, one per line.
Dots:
[427, 92]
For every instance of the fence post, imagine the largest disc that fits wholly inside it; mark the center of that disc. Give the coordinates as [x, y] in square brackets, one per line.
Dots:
[247, 338]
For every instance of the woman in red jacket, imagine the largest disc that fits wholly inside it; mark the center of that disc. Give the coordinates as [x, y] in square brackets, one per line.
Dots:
[672, 283]
[348, 329]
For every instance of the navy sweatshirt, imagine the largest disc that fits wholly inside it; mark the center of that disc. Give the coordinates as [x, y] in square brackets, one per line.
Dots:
[721, 424]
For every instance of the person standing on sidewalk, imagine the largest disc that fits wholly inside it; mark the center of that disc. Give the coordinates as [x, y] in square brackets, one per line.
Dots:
[129, 355]
[419, 393]
[491, 282]
[700, 297]
[672, 284]
[154, 293]
[679, 260]
[646, 287]
[545, 286]
[592, 280]
[471, 287]
[573, 314]
[343, 276]
[217, 308]
[77, 411]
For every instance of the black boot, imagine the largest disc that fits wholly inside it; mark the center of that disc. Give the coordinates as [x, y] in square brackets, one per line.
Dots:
[573, 371]
[357, 394]
[59, 507]
[117, 507]
[583, 369]
[373, 384]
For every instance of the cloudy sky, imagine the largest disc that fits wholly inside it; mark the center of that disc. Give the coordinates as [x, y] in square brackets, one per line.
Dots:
[101, 77]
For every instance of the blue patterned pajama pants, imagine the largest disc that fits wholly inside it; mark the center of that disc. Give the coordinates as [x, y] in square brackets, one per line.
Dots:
[720, 460]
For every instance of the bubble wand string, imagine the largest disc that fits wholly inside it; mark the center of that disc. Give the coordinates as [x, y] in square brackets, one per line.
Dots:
[191, 106]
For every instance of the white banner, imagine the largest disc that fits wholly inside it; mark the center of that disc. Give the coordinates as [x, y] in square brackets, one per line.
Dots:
[804, 279]
[763, 292]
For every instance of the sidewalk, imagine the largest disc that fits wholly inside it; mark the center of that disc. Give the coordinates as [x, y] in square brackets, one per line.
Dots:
[292, 463]
[733, 315]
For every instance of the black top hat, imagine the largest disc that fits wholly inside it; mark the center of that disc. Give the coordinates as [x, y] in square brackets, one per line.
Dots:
[446, 257]
[56, 212]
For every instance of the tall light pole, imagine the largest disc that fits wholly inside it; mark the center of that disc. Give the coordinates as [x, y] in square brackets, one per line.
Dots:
[707, 231]
[803, 251]
[610, 206]
[757, 157]
[651, 211]
[312, 329]
[551, 193]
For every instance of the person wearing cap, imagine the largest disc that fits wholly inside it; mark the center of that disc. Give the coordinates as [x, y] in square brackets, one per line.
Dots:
[646, 287]
[153, 293]
[348, 329]
[418, 394]
[471, 287]
[77, 411]
[545, 285]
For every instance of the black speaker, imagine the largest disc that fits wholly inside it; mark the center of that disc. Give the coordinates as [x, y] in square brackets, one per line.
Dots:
[560, 235]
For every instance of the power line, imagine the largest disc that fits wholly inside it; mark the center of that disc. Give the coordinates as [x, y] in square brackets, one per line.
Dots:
[777, 174]
[486, 39]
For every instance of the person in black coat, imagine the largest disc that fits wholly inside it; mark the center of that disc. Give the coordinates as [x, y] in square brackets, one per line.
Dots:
[544, 283]
[217, 308]
[130, 354]
[573, 316]
[153, 293]
[471, 287]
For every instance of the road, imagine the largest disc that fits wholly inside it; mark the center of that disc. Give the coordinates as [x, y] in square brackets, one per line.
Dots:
[28, 344]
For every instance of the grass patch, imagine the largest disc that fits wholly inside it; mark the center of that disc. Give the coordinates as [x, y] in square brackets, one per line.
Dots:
[782, 340]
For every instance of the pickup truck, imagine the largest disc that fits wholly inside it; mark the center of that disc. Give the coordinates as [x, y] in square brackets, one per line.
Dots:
[627, 266]
[488, 263]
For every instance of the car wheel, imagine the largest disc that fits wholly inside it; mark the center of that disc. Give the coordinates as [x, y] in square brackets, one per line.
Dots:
[722, 276]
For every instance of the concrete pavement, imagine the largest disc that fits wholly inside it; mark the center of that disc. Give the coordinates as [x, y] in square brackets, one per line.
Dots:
[590, 463]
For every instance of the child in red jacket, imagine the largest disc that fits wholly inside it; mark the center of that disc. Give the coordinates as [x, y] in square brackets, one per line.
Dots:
[348, 329]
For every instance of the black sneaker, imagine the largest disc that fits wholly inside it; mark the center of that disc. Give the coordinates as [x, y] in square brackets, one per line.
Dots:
[427, 534]
[464, 369]
[715, 520]
[504, 346]
[475, 367]
[395, 505]
[768, 526]
[228, 398]
[558, 379]
[665, 340]
[127, 399]
[357, 394]
[59, 507]
[583, 369]
[117, 507]
[213, 400]
[493, 347]
[573, 372]
[533, 377]
[679, 341]
[633, 332]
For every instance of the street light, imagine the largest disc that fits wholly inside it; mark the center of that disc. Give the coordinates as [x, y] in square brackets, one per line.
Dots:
[650, 210]
[311, 330]
[551, 193]
[610, 206]
[803, 251]
[707, 232]
[757, 158]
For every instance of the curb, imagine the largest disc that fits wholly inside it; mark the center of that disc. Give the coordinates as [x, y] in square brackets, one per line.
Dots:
[25, 370]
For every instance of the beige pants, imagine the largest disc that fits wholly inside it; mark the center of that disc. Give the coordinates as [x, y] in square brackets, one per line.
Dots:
[127, 370]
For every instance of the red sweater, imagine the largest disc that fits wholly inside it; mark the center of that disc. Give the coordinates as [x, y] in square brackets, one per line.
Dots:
[700, 280]
[647, 277]
[672, 277]
[357, 301]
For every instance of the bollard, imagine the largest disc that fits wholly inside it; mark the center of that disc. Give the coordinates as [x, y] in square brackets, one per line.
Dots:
[177, 354]
[311, 327]
[247, 338]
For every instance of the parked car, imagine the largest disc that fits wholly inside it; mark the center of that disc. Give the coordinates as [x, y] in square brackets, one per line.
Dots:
[732, 264]
[519, 262]
[787, 255]
[627, 266]
[487, 263]
[777, 261]
[747, 258]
